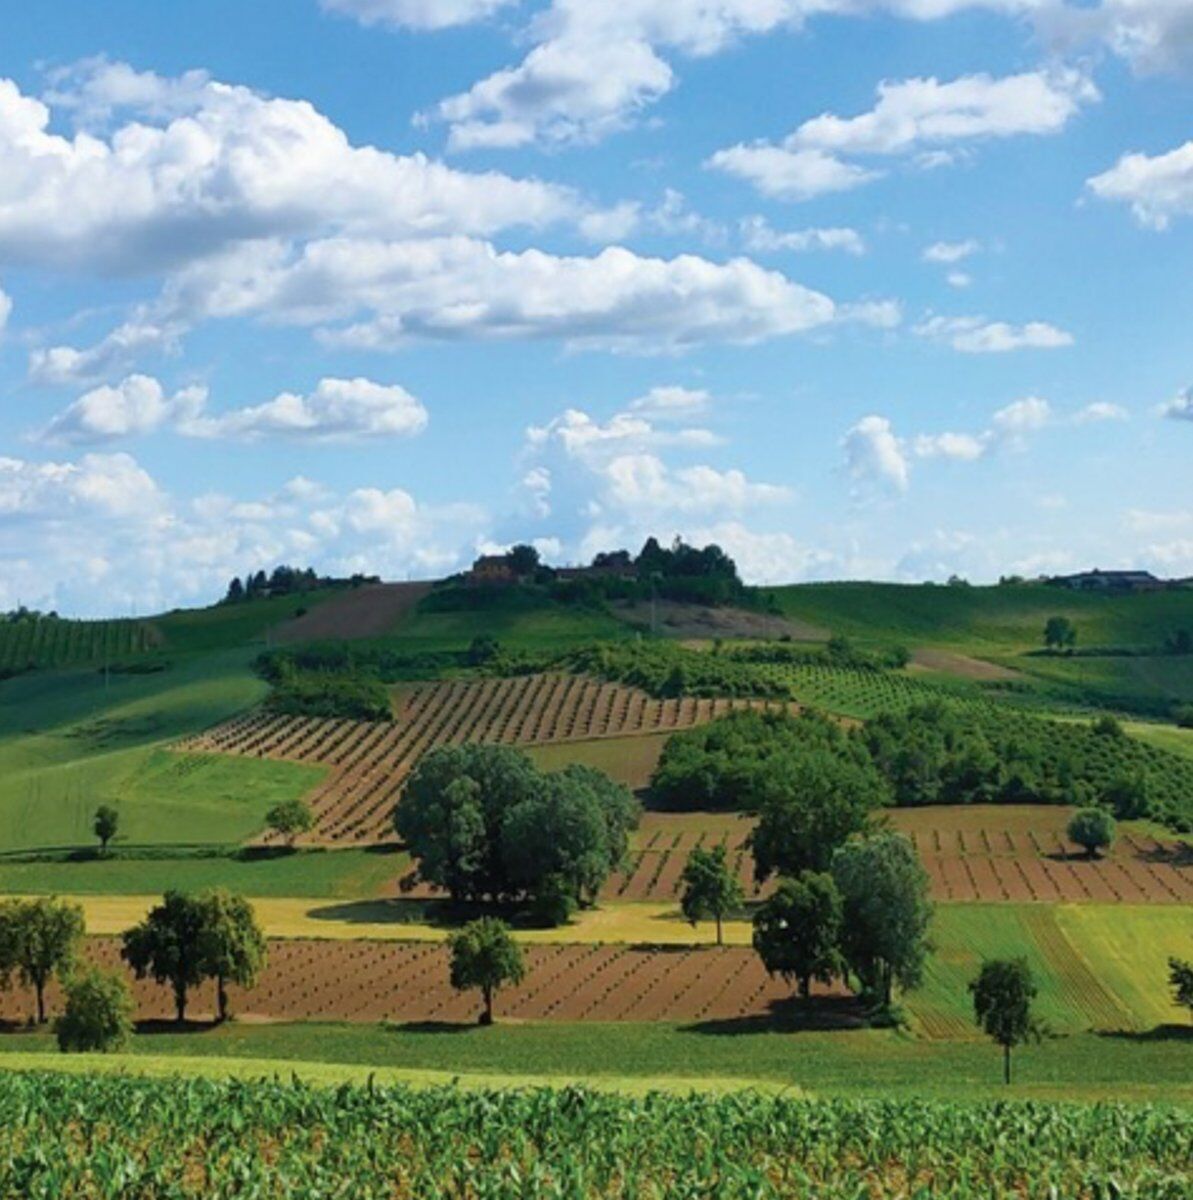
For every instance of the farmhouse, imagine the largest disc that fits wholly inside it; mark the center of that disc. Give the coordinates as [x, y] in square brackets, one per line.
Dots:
[1109, 581]
[491, 569]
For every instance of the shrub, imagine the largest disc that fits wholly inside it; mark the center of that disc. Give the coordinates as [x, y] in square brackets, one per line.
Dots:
[97, 1016]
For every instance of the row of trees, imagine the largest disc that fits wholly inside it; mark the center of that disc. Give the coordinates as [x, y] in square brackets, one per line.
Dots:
[285, 581]
[484, 823]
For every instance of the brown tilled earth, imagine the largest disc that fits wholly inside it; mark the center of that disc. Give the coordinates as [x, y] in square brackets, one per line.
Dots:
[364, 612]
[986, 852]
[408, 981]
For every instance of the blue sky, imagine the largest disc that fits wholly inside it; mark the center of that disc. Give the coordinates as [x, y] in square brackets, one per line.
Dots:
[858, 288]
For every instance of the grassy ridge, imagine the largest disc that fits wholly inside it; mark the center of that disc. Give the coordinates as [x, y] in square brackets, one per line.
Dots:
[984, 619]
[859, 1063]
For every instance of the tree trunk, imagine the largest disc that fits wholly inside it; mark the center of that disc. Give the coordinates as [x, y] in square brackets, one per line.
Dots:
[487, 1012]
[805, 987]
[1006, 1063]
[180, 1003]
[720, 939]
[39, 986]
[221, 996]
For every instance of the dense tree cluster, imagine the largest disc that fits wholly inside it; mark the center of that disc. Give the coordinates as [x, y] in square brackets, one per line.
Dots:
[747, 758]
[298, 690]
[485, 824]
[188, 938]
[867, 917]
[285, 581]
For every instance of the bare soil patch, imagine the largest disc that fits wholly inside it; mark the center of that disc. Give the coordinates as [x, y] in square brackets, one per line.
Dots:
[700, 622]
[372, 981]
[364, 612]
[948, 662]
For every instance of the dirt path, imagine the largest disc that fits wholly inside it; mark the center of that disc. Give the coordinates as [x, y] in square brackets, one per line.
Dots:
[963, 666]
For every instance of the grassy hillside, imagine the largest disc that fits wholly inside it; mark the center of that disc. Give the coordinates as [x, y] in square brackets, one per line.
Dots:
[70, 740]
[984, 619]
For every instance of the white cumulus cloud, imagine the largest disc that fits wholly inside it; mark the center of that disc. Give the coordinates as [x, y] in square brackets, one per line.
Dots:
[416, 14]
[1157, 187]
[976, 335]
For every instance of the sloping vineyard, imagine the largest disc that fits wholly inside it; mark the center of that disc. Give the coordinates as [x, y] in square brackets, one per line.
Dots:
[53, 642]
[371, 760]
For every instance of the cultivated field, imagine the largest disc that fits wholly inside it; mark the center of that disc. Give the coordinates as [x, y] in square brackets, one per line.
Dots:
[370, 760]
[372, 610]
[25, 645]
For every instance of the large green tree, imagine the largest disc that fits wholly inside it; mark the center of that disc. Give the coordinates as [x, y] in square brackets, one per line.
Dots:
[169, 946]
[1003, 994]
[105, 825]
[452, 811]
[484, 823]
[39, 939]
[887, 912]
[797, 931]
[813, 804]
[289, 818]
[710, 888]
[485, 957]
[1180, 979]
[232, 945]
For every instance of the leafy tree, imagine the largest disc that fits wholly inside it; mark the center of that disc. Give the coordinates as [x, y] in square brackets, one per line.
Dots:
[1180, 979]
[523, 559]
[1109, 726]
[484, 956]
[884, 934]
[1128, 796]
[107, 821]
[1092, 828]
[232, 944]
[38, 940]
[485, 823]
[710, 888]
[169, 945]
[289, 818]
[1002, 998]
[452, 812]
[482, 649]
[1183, 716]
[570, 834]
[797, 930]
[815, 803]
[97, 1016]
[1060, 634]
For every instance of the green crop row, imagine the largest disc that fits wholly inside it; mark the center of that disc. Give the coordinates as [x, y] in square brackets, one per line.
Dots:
[71, 1137]
[54, 642]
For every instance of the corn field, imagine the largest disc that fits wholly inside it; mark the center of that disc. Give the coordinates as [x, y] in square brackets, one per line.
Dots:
[64, 1137]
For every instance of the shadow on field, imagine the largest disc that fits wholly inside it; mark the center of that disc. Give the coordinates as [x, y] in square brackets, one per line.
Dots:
[431, 1026]
[1158, 1033]
[190, 1025]
[389, 912]
[822, 1013]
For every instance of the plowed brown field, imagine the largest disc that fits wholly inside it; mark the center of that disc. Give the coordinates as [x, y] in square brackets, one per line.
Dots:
[369, 611]
[406, 981]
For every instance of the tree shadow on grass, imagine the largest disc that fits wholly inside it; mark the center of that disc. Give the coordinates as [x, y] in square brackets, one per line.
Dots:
[157, 1026]
[1158, 1033]
[431, 1026]
[792, 1015]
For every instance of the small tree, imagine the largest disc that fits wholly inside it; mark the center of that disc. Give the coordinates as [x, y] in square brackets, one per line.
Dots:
[1060, 634]
[797, 931]
[884, 934]
[1180, 979]
[289, 818]
[232, 944]
[710, 888]
[39, 939]
[169, 945]
[1002, 998]
[107, 821]
[484, 956]
[98, 1013]
[1091, 828]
